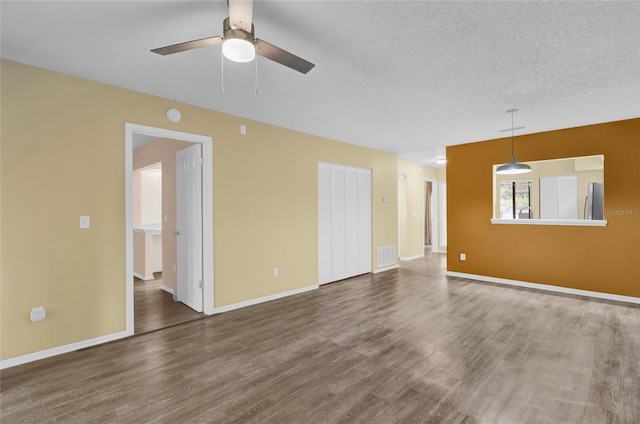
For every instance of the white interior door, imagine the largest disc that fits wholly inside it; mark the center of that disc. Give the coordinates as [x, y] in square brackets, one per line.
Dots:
[189, 231]
[344, 222]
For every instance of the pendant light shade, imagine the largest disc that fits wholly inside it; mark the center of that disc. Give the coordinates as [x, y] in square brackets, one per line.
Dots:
[513, 167]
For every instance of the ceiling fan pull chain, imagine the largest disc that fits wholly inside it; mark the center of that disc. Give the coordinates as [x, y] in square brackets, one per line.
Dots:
[222, 75]
[256, 59]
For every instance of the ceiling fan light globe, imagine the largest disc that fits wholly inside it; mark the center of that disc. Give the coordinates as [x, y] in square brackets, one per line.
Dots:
[238, 50]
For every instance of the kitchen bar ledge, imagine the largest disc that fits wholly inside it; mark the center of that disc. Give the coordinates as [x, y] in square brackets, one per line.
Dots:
[573, 222]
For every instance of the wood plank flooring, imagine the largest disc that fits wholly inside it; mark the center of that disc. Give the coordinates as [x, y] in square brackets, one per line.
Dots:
[154, 308]
[403, 346]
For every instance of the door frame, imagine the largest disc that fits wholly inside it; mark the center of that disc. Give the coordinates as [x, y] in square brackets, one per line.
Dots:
[207, 212]
[434, 203]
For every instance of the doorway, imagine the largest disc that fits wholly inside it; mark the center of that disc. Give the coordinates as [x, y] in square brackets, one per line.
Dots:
[430, 216]
[139, 134]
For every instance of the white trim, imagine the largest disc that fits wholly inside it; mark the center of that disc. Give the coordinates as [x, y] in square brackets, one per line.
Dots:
[207, 227]
[386, 268]
[35, 356]
[438, 250]
[410, 258]
[566, 290]
[143, 277]
[574, 222]
[207, 211]
[168, 289]
[258, 300]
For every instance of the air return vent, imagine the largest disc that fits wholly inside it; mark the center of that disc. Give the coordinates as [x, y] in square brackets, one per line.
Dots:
[386, 256]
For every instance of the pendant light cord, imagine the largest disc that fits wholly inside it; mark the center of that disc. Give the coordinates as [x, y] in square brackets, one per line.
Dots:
[512, 112]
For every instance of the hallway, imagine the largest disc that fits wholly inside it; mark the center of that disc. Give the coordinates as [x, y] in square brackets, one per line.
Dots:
[154, 308]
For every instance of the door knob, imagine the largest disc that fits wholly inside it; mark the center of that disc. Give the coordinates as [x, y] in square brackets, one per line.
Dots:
[176, 233]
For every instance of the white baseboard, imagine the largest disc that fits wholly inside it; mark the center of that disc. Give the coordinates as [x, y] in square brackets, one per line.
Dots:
[410, 258]
[143, 277]
[251, 302]
[168, 289]
[386, 268]
[558, 289]
[35, 356]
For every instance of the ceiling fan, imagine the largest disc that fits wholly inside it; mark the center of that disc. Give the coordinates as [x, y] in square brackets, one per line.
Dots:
[238, 41]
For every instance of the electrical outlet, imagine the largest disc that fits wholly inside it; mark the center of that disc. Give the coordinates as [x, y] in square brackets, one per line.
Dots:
[463, 257]
[38, 314]
[276, 272]
[85, 222]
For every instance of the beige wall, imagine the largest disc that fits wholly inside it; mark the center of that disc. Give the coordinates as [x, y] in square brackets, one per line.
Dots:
[63, 147]
[164, 150]
[411, 194]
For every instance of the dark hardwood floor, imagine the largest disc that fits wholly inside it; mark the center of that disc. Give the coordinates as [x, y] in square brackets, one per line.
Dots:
[154, 308]
[403, 346]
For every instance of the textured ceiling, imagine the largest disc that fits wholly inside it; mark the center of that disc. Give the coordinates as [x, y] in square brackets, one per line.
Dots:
[407, 77]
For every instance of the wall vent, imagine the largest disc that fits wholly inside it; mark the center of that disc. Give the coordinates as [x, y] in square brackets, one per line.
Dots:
[386, 256]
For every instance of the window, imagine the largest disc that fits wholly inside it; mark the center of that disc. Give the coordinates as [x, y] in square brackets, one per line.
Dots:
[515, 199]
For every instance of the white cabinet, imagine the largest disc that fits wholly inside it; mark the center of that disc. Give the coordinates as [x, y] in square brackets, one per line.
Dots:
[559, 197]
[344, 222]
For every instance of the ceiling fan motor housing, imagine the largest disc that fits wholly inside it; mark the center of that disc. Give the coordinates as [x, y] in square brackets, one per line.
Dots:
[230, 32]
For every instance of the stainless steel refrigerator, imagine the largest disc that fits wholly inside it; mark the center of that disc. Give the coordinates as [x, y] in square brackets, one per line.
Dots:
[594, 203]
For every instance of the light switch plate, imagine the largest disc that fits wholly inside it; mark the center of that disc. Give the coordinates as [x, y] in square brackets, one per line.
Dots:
[85, 222]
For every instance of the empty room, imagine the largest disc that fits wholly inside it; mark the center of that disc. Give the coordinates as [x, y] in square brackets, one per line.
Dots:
[319, 212]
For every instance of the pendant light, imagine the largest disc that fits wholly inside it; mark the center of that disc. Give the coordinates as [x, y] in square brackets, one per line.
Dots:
[513, 167]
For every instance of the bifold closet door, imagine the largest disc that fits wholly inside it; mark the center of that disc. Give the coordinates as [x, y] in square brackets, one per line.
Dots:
[344, 222]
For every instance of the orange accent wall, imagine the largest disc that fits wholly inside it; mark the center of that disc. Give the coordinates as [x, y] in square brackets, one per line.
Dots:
[602, 259]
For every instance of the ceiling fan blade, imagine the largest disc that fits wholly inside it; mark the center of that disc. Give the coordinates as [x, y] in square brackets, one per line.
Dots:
[241, 14]
[188, 45]
[282, 57]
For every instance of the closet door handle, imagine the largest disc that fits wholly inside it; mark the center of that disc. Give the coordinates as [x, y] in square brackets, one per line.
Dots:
[176, 233]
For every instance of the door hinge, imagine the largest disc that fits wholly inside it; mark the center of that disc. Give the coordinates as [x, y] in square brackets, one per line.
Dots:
[200, 161]
[201, 284]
